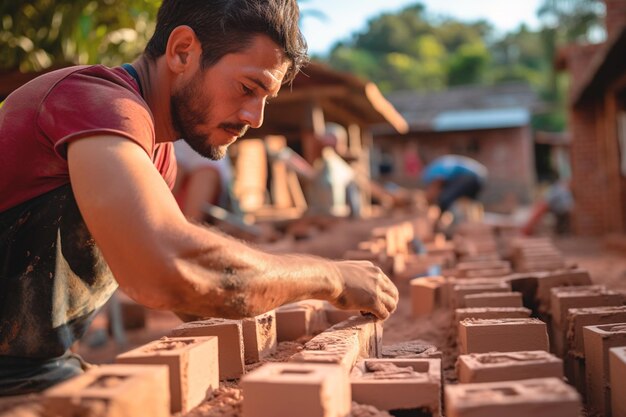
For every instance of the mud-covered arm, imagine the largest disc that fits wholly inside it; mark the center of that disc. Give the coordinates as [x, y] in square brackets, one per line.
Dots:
[163, 261]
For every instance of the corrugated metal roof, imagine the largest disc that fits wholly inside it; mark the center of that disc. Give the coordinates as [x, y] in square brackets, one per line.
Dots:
[480, 119]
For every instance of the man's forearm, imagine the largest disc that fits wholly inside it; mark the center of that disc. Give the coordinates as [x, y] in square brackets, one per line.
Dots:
[223, 277]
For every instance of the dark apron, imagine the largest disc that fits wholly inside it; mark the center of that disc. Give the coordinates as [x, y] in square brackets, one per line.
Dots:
[53, 279]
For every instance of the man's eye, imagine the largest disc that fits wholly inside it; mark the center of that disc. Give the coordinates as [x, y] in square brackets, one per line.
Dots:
[247, 91]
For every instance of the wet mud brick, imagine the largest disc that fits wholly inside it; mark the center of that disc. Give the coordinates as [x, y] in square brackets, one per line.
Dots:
[491, 313]
[502, 335]
[543, 397]
[192, 364]
[259, 337]
[296, 389]
[598, 341]
[494, 299]
[574, 356]
[398, 385]
[508, 366]
[344, 343]
[564, 298]
[112, 391]
[617, 367]
[229, 341]
[462, 267]
[460, 290]
[427, 295]
[303, 318]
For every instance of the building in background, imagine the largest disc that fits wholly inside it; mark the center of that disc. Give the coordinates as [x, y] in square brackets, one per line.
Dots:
[597, 125]
[489, 124]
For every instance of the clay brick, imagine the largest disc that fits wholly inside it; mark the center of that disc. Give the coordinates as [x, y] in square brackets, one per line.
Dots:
[427, 295]
[192, 363]
[459, 291]
[486, 273]
[502, 335]
[290, 389]
[577, 319]
[303, 318]
[335, 315]
[259, 337]
[598, 341]
[494, 299]
[510, 366]
[230, 342]
[491, 313]
[112, 391]
[469, 266]
[549, 280]
[398, 384]
[617, 367]
[542, 397]
[579, 297]
[344, 343]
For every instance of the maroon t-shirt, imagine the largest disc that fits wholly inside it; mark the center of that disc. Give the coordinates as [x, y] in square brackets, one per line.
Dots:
[52, 274]
[39, 120]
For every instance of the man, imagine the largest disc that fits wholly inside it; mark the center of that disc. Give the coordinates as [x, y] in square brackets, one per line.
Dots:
[85, 164]
[451, 177]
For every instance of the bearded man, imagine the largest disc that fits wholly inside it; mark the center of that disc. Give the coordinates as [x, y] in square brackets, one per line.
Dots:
[86, 167]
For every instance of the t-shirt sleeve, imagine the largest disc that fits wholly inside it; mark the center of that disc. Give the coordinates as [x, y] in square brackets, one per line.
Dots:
[88, 103]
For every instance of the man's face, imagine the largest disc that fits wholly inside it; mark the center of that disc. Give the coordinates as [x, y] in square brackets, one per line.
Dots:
[219, 104]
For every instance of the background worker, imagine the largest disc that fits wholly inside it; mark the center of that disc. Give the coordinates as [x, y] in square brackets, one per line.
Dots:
[451, 177]
[86, 170]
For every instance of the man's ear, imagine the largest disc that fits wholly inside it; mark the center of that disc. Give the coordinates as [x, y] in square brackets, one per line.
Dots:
[183, 50]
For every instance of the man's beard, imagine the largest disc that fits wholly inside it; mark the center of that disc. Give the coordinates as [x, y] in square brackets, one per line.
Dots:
[188, 110]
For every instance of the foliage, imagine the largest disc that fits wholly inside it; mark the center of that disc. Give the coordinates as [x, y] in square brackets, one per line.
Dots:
[37, 34]
[408, 50]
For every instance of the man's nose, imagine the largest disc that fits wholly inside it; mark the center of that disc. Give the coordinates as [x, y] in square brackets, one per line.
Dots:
[252, 112]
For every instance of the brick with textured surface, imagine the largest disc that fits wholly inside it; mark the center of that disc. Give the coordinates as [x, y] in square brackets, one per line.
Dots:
[494, 299]
[259, 336]
[502, 335]
[508, 366]
[112, 391]
[543, 397]
[193, 367]
[598, 341]
[230, 342]
[303, 318]
[344, 343]
[398, 384]
[296, 389]
[617, 378]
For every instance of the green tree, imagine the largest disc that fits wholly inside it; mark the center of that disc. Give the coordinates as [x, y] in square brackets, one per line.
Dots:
[409, 50]
[37, 34]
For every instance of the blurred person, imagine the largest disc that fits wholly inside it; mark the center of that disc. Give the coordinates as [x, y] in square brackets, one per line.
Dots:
[451, 177]
[558, 201]
[86, 171]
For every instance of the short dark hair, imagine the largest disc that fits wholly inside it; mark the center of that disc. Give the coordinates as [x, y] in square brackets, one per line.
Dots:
[227, 26]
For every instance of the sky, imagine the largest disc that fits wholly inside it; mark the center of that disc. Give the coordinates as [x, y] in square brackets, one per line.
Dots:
[344, 17]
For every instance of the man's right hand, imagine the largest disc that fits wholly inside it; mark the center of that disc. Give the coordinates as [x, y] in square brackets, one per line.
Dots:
[365, 287]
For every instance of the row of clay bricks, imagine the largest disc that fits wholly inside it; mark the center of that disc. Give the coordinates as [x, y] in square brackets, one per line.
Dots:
[175, 374]
[504, 366]
[585, 323]
[178, 371]
[405, 250]
[337, 367]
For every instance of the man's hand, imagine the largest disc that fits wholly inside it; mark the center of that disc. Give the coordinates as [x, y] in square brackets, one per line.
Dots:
[366, 288]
